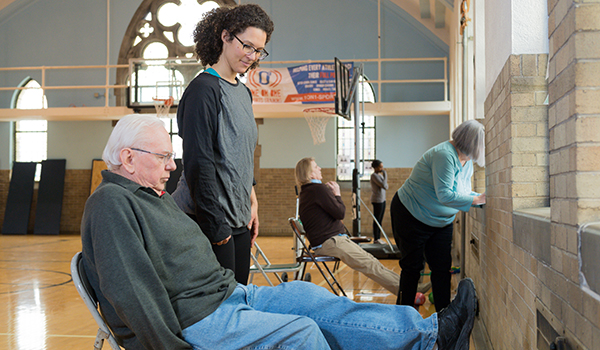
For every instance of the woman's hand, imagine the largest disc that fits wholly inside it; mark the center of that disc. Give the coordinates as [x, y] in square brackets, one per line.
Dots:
[253, 224]
[335, 188]
[479, 200]
[223, 241]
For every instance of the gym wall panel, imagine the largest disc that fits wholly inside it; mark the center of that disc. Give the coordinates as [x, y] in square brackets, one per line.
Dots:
[401, 141]
[79, 142]
[285, 141]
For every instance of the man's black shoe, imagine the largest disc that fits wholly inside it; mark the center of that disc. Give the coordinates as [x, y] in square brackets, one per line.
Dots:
[455, 322]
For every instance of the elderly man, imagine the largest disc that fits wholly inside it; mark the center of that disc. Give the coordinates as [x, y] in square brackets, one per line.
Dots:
[160, 286]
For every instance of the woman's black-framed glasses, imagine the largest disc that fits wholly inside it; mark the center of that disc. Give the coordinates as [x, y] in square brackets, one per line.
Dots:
[249, 49]
[166, 158]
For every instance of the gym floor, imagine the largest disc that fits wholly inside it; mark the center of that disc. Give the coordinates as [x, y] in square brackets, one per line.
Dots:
[42, 309]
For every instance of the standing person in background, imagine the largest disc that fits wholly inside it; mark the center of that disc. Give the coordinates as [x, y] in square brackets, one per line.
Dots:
[424, 208]
[219, 133]
[378, 186]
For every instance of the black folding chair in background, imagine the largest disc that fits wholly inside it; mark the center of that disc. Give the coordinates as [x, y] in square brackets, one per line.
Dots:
[320, 261]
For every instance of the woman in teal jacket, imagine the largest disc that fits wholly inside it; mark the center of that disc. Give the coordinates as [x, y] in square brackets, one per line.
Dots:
[424, 208]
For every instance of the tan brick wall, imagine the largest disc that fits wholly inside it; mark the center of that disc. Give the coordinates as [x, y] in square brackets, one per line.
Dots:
[541, 156]
[574, 148]
[77, 191]
[275, 192]
[516, 176]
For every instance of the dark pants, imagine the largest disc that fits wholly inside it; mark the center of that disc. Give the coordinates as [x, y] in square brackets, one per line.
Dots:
[235, 255]
[414, 239]
[378, 212]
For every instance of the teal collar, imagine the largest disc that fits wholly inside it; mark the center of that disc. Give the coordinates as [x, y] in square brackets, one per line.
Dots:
[212, 72]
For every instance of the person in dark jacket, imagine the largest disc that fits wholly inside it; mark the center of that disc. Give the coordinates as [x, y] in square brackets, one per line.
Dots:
[321, 211]
[159, 285]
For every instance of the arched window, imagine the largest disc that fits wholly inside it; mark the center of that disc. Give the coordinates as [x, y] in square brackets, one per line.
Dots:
[30, 136]
[345, 137]
[162, 29]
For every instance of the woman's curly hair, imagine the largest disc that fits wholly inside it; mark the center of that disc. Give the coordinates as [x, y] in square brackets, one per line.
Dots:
[235, 20]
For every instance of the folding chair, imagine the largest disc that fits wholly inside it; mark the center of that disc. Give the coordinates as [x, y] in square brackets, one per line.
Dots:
[276, 269]
[308, 256]
[89, 298]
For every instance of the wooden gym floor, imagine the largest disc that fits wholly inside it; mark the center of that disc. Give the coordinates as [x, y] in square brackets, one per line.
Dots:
[42, 309]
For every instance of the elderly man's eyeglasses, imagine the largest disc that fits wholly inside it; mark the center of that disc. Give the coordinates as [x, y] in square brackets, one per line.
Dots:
[250, 50]
[166, 158]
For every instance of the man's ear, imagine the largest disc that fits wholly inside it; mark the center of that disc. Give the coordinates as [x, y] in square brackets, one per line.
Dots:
[127, 160]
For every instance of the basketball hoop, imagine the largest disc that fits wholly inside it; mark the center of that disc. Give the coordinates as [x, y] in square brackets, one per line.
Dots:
[317, 119]
[163, 105]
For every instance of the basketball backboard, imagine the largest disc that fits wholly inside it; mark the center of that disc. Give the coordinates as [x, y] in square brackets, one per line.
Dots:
[342, 88]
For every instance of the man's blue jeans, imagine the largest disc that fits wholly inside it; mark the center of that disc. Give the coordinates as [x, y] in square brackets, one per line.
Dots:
[301, 315]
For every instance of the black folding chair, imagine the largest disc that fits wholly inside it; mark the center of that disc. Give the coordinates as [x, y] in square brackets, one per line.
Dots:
[309, 256]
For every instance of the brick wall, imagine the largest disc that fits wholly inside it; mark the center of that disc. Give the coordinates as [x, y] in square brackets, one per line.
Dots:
[525, 260]
[77, 190]
[275, 193]
[574, 124]
[516, 177]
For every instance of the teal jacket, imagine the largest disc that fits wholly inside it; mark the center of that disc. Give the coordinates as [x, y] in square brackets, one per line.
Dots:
[438, 186]
[153, 271]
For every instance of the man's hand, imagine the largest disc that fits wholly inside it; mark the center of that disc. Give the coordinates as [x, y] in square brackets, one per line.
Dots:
[253, 224]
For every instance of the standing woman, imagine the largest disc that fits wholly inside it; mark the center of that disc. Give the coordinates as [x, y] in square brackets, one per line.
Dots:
[219, 133]
[424, 208]
[379, 185]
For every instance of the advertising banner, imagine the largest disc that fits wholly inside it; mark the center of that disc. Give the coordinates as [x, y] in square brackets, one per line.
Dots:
[307, 83]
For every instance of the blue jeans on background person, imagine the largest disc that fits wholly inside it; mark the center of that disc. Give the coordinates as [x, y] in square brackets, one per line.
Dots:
[301, 315]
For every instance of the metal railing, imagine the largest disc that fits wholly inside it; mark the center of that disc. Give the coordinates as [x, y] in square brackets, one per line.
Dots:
[43, 70]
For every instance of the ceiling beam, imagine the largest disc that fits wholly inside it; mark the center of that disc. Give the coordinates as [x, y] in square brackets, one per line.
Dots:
[271, 110]
[440, 14]
[425, 8]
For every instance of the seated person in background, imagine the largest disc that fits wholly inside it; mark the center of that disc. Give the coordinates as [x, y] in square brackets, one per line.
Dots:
[160, 286]
[321, 211]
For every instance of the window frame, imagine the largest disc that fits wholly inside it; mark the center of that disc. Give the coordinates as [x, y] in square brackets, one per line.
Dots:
[366, 168]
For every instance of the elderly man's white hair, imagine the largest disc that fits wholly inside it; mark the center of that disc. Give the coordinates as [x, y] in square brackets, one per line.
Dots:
[133, 130]
[469, 138]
